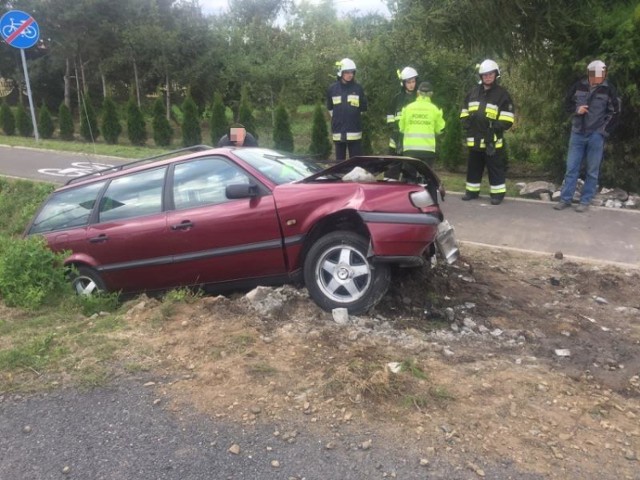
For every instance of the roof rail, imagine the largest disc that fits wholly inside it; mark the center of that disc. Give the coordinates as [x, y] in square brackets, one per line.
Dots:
[124, 166]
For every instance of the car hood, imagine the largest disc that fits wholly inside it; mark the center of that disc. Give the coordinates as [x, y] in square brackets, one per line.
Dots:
[378, 167]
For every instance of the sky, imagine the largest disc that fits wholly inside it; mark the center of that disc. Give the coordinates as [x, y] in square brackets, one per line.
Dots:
[342, 6]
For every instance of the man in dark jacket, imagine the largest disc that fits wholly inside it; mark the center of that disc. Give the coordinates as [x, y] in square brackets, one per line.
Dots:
[345, 102]
[237, 137]
[486, 114]
[594, 107]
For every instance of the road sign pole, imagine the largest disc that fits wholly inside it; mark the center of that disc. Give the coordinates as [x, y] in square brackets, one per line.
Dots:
[26, 79]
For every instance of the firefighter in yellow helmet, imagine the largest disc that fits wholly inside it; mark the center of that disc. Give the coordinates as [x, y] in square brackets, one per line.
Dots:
[487, 112]
[407, 94]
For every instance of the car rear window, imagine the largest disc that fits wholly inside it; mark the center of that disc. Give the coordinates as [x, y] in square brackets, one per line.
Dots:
[67, 209]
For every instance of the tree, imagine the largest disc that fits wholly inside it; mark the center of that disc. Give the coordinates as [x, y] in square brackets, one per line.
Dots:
[111, 128]
[282, 136]
[66, 122]
[191, 133]
[320, 144]
[245, 114]
[23, 122]
[88, 121]
[218, 124]
[45, 122]
[161, 128]
[8, 120]
[136, 126]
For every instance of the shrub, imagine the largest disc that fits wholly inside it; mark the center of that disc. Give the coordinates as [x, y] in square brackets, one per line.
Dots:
[7, 119]
[450, 146]
[88, 121]
[282, 136]
[162, 132]
[45, 122]
[245, 114]
[191, 133]
[66, 122]
[23, 122]
[136, 126]
[111, 128]
[218, 122]
[320, 143]
[30, 273]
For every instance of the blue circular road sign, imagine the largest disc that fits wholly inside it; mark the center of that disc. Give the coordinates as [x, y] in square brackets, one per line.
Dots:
[19, 29]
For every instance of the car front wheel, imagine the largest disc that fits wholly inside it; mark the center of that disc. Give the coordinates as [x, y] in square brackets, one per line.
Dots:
[338, 274]
[86, 281]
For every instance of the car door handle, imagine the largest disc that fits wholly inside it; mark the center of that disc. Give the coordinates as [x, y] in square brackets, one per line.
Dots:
[99, 239]
[184, 225]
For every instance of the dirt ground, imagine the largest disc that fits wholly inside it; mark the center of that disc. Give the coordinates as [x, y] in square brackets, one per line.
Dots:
[529, 361]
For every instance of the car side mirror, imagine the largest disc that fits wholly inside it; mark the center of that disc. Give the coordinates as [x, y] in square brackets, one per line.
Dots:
[241, 190]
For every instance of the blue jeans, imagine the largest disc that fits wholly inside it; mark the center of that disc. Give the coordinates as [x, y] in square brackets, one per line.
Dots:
[590, 147]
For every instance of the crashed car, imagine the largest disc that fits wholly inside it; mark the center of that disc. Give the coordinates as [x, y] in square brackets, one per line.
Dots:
[228, 218]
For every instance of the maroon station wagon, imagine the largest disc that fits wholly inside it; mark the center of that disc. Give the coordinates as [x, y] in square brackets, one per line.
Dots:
[229, 218]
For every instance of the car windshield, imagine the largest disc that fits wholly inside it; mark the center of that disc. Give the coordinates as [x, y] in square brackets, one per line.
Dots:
[276, 166]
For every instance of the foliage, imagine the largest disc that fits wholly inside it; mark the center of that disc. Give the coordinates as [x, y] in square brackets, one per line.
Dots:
[30, 273]
[66, 122]
[450, 147]
[45, 122]
[191, 132]
[19, 199]
[111, 128]
[97, 303]
[245, 113]
[7, 119]
[162, 132]
[88, 120]
[282, 136]
[320, 144]
[136, 126]
[218, 125]
[23, 121]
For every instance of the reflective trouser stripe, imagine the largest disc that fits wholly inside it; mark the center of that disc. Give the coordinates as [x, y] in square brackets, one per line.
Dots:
[473, 187]
[498, 188]
[337, 137]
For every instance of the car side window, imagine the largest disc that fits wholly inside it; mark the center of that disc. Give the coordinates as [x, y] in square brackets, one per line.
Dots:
[67, 209]
[133, 195]
[203, 182]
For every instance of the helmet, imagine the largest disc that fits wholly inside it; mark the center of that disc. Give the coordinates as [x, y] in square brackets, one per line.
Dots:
[425, 87]
[345, 65]
[598, 67]
[489, 66]
[408, 73]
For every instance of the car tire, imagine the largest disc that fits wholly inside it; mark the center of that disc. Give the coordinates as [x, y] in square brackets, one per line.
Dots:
[86, 281]
[338, 274]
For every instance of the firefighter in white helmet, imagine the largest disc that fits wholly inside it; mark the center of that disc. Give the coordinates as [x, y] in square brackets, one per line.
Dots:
[407, 94]
[487, 112]
[594, 106]
[345, 102]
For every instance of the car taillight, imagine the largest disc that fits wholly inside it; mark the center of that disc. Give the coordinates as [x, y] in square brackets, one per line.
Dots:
[421, 199]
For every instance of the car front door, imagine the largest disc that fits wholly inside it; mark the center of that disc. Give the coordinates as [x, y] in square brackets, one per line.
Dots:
[218, 239]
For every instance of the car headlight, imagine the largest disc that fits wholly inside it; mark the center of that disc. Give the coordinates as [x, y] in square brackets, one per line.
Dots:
[421, 199]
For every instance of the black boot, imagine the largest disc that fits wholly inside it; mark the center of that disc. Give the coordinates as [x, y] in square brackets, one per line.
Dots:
[470, 196]
[497, 200]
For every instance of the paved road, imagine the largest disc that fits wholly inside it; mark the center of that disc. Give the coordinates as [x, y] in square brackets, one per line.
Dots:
[601, 234]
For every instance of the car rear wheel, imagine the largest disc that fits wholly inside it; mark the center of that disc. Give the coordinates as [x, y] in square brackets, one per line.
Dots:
[86, 281]
[338, 274]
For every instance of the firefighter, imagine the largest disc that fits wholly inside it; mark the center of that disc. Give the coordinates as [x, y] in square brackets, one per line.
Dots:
[486, 114]
[346, 102]
[408, 80]
[421, 122]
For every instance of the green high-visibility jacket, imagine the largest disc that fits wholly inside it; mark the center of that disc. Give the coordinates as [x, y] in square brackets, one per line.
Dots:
[420, 122]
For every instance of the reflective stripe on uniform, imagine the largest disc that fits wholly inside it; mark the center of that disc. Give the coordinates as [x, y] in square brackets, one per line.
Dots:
[418, 148]
[473, 187]
[498, 188]
[499, 143]
[491, 111]
[506, 117]
[336, 100]
[392, 143]
[419, 135]
[391, 118]
[354, 135]
[464, 113]
[336, 137]
[474, 106]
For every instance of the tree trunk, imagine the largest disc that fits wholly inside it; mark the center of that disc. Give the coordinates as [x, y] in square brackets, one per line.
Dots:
[67, 84]
[168, 93]
[137, 81]
[85, 88]
[78, 91]
[103, 79]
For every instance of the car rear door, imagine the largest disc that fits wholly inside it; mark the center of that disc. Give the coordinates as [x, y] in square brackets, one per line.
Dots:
[217, 239]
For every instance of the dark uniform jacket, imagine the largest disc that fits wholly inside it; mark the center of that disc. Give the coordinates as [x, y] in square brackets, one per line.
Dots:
[401, 100]
[485, 115]
[346, 101]
[604, 107]
[249, 141]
